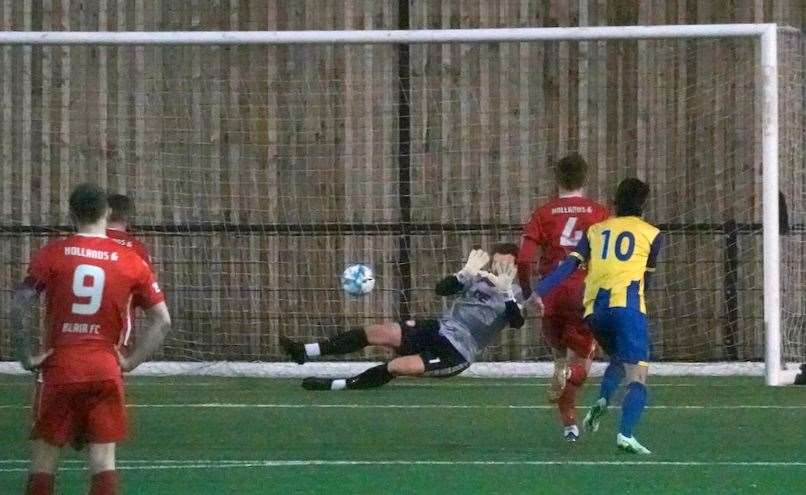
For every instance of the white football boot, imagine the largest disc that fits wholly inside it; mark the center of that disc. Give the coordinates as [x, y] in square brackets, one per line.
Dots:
[571, 433]
[630, 445]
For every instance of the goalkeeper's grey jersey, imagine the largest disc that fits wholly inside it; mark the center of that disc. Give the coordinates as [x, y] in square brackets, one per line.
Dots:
[475, 317]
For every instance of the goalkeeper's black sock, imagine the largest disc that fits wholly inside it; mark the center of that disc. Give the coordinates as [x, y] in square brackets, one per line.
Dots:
[344, 343]
[371, 378]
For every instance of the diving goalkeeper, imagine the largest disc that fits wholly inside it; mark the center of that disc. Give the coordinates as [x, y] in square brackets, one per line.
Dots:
[486, 303]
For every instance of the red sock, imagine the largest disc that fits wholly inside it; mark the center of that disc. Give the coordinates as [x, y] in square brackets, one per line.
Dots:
[567, 402]
[40, 484]
[104, 483]
[578, 374]
[567, 405]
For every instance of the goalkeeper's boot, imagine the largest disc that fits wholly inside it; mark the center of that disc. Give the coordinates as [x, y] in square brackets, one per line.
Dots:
[571, 433]
[630, 445]
[561, 374]
[594, 416]
[294, 349]
[316, 383]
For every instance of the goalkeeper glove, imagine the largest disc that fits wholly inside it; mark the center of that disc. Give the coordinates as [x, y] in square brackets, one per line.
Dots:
[477, 259]
[503, 279]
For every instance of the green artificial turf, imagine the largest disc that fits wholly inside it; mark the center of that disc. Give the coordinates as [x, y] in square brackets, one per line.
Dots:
[439, 436]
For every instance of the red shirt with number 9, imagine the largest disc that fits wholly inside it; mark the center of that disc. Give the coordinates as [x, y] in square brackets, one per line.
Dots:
[89, 283]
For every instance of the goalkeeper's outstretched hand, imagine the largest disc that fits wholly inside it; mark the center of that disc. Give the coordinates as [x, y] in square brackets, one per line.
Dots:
[477, 260]
[503, 278]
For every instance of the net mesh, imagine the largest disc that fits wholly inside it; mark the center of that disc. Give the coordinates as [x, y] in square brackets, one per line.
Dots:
[792, 116]
[259, 173]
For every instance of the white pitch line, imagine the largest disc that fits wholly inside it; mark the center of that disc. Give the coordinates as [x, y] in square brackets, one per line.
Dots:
[225, 405]
[411, 383]
[482, 384]
[241, 464]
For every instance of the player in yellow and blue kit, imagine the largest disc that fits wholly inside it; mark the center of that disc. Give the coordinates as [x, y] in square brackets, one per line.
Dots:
[620, 253]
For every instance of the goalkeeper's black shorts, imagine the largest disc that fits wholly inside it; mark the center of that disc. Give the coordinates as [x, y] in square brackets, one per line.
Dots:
[440, 357]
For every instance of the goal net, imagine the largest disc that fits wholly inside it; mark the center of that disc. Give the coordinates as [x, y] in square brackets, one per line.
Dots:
[259, 172]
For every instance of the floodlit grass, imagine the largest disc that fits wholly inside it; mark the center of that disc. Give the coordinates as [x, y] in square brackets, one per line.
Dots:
[202, 435]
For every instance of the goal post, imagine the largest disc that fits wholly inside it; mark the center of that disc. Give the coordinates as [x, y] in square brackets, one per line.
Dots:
[377, 226]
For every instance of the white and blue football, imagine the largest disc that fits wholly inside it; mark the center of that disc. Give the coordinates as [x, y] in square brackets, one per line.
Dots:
[358, 279]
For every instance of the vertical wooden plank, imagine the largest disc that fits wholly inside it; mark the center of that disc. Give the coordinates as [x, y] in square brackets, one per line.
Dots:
[501, 205]
[5, 77]
[522, 179]
[45, 91]
[368, 57]
[101, 95]
[447, 136]
[476, 62]
[123, 82]
[64, 124]
[603, 108]
[563, 94]
[643, 84]
[583, 61]
[271, 246]
[25, 124]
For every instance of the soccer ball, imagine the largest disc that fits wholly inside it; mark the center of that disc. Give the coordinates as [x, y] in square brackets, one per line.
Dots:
[357, 279]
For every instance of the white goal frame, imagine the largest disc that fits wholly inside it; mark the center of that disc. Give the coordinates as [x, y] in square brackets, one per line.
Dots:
[767, 34]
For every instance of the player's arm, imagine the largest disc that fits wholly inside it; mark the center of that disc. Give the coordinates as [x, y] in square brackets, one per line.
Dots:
[514, 315]
[530, 244]
[454, 284]
[651, 263]
[24, 325]
[578, 256]
[158, 321]
[503, 282]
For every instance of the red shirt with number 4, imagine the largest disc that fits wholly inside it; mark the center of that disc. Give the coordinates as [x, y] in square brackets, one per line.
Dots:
[126, 239]
[89, 283]
[556, 228]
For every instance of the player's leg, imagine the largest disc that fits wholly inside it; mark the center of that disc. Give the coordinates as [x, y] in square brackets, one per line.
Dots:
[54, 424]
[603, 326]
[428, 354]
[102, 469]
[387, 334]
[633, 348]
[106, 425]
[558, 351]
[579, 356]
[44, 458]
[632, 407]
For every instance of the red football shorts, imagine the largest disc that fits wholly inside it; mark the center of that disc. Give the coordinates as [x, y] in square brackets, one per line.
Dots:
[563, 325]
[89, 412]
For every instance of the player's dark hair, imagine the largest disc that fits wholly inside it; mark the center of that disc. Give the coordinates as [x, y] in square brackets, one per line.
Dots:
[571, 172]
[122, 208]
[506, 248]
[88, 203]
[631, 197]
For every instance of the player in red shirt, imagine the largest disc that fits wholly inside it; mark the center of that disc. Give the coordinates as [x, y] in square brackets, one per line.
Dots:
[88, 281]
[554, 230]
[121, 210]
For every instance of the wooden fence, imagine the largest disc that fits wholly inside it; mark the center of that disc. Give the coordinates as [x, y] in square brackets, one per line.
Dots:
[259, 173]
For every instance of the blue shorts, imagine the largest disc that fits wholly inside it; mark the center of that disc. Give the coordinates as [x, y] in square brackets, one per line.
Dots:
[622, 333]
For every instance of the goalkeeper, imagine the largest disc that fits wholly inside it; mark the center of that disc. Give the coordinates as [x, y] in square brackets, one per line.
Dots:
[485, 304]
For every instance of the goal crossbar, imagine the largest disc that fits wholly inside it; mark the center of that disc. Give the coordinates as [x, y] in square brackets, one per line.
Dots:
[384, 36]
[765, 33]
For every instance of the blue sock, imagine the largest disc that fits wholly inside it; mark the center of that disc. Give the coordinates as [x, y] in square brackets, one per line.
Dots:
[631, 409]
[611, 379]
